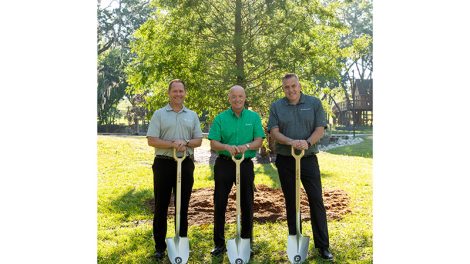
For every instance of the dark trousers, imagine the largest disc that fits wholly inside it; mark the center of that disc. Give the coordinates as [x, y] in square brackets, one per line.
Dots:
[164, 181]
[310, 178]
[224, 176]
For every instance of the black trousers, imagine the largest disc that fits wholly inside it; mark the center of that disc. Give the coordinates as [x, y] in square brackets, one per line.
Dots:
[310, 178]
[164, 181]
[224, 176]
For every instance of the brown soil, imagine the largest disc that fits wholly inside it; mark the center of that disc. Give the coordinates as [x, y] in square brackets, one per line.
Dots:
[268, 205]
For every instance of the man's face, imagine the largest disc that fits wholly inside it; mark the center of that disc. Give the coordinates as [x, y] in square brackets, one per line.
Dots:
[177, 93]
[237, 99]
[291, 88]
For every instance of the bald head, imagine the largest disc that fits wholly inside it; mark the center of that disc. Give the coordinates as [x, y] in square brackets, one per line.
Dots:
[236, 89]
[237, 97]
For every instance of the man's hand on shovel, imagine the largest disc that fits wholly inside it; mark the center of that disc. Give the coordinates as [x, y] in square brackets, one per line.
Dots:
[299, 144]
[179, 145]
[232, 149]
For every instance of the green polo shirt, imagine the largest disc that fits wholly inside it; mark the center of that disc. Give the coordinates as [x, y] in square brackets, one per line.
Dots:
[229, 129]
[296, 121]
[167, 124]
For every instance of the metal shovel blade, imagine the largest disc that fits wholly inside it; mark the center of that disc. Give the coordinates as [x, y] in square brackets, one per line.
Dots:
[178, 249]
[238, 250]
[297, 248]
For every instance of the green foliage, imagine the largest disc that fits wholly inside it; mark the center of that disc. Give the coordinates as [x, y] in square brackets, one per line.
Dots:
[125, 223]
[200, 42]
[357, 15]
[116, 24]
[118, 21]
[111, 85]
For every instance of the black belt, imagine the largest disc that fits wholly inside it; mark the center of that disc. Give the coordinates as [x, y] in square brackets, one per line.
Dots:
[307, 156]
[230, 158]
[170, 158]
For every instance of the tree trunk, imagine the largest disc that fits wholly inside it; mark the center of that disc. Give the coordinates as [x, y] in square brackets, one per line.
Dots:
[238, 44]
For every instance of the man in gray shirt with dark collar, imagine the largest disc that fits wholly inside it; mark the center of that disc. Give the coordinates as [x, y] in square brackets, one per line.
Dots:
[298, 120]
[173, 126]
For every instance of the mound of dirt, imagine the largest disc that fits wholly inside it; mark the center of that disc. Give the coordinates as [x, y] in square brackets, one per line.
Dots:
[268, 205]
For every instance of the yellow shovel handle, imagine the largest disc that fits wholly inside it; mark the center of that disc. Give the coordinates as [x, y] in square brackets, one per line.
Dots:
[237, 181]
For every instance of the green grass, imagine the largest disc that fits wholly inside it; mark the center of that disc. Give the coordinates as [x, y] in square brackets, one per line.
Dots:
[363, 149]
[125, 224]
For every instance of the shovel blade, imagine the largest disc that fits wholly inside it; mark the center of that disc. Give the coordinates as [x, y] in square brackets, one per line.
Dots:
[297, 248]
[238, 250]
[178, 250]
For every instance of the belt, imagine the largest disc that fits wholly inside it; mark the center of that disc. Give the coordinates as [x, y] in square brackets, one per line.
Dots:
[171, 158]
[230, 158]
[307, 156]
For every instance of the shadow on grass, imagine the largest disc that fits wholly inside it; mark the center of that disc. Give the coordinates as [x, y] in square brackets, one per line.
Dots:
[270, 170]
[132, 203]
[211, 176]
[326, 174]
[134, 241]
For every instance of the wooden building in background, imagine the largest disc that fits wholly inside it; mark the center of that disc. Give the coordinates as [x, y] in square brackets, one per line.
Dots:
[359, 109]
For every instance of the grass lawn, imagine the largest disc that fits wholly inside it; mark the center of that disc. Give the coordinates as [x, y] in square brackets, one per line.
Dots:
[125, 224]
[363, 149]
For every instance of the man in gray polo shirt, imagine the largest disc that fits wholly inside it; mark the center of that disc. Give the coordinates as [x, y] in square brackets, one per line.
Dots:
[298, 120]
[173, 126]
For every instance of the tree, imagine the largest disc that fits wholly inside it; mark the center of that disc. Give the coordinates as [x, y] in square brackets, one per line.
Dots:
[118, 20]
[213, 45]
[111, 86]
[116, 23]
[357, 15]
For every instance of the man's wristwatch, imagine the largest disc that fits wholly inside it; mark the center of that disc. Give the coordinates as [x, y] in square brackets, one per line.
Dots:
[247, 146]
[187, 142]
[309, 144]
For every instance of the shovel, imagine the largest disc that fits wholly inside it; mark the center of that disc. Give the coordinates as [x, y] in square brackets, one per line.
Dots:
[238, 249]
[297, 245]
[178, 247]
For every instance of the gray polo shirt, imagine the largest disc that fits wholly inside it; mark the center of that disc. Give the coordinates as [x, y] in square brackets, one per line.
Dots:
[167, 124]
[296, 121]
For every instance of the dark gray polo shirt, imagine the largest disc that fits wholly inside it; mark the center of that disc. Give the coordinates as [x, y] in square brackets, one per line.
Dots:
[166, 124]
[296, 121]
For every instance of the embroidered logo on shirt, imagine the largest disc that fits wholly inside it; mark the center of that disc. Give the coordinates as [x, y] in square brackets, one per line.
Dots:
[305, 109]
[248, 124]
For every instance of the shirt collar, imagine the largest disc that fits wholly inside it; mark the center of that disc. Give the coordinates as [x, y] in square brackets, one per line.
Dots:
[168, 108]
[233, 113]
[301, 99]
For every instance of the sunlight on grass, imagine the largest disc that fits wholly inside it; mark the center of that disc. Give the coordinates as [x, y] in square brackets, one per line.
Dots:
[363, 149]
[125, 223]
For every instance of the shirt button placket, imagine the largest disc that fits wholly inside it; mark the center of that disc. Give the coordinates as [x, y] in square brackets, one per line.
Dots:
[236, 135]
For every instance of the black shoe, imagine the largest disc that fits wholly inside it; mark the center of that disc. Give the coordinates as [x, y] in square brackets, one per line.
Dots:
[159, 255]
[217, 251]
[325, 253]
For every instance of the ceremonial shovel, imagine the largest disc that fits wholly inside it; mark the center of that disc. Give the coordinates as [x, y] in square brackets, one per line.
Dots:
[238, 249]
[178, 247]
[297, 245]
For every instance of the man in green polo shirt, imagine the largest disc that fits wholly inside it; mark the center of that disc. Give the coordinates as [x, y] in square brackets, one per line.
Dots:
[298, 121]
[233, 132]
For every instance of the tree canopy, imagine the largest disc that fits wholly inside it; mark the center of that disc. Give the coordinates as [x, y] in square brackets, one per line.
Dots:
[117, 21]
[213, 45]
